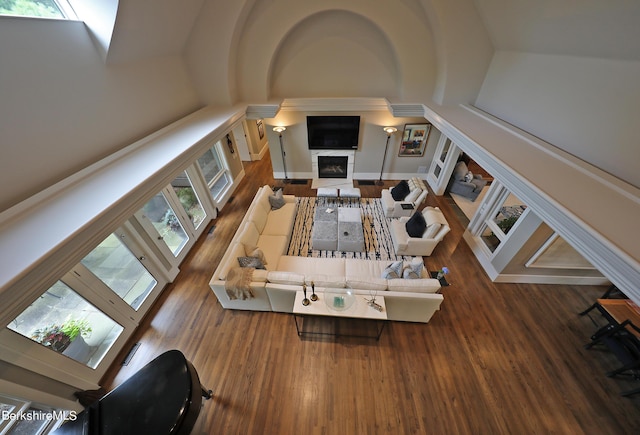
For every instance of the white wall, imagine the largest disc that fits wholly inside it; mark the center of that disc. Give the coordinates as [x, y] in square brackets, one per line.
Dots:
[62, 109]
[585, 106]
[368, 156]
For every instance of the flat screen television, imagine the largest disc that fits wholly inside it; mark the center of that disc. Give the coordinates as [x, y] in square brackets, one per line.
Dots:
[333, 132]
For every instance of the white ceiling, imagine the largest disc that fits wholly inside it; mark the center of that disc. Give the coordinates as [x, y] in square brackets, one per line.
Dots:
[593, 28]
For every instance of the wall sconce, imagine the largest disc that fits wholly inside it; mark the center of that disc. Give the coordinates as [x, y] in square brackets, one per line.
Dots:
[389, 131]
[279, 130]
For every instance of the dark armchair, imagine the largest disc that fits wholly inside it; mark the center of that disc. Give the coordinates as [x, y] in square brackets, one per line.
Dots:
[464, 183]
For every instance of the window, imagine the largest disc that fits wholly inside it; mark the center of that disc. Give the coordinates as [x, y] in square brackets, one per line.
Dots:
[114, 264]
[37, 8]
[20, 416]
[63, 321]
[167, 225]
[214, 172]
[498, 214]
[183, 188]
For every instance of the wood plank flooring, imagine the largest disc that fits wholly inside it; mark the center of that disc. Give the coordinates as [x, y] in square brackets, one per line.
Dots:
[496, 359]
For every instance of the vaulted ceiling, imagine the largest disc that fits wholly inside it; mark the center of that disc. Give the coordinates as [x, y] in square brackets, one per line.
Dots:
[249, 50]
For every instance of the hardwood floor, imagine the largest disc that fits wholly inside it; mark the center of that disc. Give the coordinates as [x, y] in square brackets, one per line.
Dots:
[496, 359]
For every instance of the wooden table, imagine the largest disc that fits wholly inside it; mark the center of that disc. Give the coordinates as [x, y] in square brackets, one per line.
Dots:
[359, 310]
[620, 310]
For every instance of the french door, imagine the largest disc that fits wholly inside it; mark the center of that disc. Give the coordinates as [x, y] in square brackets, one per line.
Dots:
[177, 215]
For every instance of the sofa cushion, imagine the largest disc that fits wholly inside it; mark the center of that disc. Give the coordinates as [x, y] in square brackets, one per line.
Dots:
[400, 191]
[259, 217]
[280, 222]
[357, 268]
[249, 235]
[414, 285]
[329, 281]
[273, 248]
[413, 195]
[372, 283]
[230, 260]
[393, 270]
[262, 198]
[276, 200]
[283, 277]
[416, 225]
[311, 265]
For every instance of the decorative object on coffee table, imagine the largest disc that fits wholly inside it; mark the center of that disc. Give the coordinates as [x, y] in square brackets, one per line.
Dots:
[305, 301]
[372, 302]
[314, 296]
[339, 299]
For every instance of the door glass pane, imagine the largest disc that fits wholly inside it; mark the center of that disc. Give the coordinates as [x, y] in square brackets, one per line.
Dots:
[218, 187]
[113, 263]
[66, 323]
[188, 198]
[166, 223]
[210, 164]
[445, 150]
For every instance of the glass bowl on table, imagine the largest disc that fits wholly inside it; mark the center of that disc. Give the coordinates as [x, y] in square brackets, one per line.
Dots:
[339, 299]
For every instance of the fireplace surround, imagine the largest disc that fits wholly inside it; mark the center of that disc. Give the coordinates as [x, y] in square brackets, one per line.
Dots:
[335, 177]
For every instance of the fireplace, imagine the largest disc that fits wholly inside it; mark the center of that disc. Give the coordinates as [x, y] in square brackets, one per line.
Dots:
[331, 176]
[332, 166]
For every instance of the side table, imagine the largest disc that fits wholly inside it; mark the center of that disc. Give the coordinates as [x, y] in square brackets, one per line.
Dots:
[443, 280]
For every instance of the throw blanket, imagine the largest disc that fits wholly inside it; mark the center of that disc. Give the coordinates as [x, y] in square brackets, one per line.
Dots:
[237, 283]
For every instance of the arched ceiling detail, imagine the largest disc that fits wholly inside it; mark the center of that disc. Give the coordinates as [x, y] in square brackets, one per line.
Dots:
[280, 39]
[354, 58]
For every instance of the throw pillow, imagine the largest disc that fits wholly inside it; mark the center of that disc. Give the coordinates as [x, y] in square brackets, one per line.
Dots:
[276, 200]
[400, 190]
[254, 262]
[394, 270]
[254, 251]
[409, 273]
[468, 177]
[416, 265]
[416, 225]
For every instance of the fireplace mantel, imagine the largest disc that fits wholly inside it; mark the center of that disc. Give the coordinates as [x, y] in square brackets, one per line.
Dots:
[332, 182]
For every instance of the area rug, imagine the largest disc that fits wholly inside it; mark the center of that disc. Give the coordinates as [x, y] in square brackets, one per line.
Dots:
[377, 237]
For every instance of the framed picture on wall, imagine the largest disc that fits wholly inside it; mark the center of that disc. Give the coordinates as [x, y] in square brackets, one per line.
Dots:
[260, 128]
[414, 139]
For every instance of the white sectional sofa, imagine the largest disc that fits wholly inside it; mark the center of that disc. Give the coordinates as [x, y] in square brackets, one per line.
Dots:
[412, 300]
